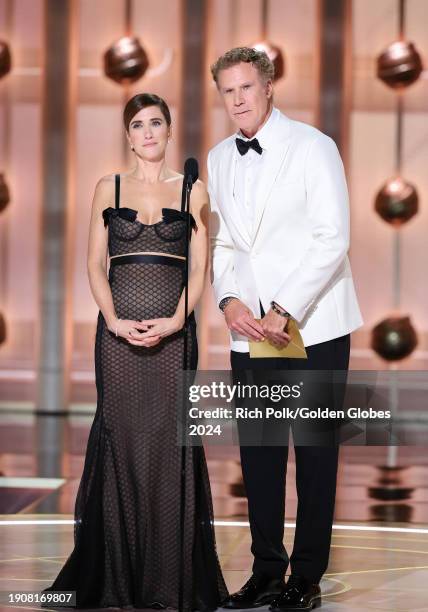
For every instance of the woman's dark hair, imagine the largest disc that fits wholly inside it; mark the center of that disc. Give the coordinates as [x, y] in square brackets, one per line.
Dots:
[135, 104]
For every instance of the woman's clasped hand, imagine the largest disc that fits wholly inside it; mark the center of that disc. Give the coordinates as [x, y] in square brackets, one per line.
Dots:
[145, 333]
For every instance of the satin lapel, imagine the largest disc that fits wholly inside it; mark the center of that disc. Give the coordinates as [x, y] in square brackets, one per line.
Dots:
[229, 206]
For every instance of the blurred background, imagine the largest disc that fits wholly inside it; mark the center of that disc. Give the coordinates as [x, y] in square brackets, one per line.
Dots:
[356, 69]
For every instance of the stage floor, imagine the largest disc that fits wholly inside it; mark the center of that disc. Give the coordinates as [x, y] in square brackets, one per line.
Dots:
[371, 567]
[379, 551]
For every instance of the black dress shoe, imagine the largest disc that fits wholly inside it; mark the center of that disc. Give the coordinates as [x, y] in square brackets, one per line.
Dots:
[299, 594]
[258, 591]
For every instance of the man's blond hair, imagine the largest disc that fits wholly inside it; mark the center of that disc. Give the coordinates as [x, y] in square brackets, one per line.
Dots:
[258, 59]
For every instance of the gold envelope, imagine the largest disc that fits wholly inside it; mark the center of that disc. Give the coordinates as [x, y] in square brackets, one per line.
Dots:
[294, 349]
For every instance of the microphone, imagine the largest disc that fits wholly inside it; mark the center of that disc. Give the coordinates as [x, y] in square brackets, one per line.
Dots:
[191, 172]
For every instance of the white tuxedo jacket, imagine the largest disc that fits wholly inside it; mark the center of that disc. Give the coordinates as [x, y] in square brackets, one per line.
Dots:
[297, 251]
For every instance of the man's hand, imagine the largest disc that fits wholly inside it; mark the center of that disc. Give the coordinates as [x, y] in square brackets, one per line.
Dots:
[240, 319]
[273, 326]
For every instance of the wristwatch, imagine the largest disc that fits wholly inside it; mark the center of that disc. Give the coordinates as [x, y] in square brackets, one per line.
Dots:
[225, 301]
[278, 310]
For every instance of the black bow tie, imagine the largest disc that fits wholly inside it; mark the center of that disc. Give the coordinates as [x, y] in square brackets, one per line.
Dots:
[244, 145]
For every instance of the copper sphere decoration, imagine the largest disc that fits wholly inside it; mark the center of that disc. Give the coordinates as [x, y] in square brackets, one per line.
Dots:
[397, 201]
[399, 65]
[125, 61]
[5, 59]
[4, 193]
[274, 53]
[394, 338]
[2, 329]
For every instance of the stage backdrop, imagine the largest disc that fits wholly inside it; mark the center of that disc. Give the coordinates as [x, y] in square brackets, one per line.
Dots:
[99, 149]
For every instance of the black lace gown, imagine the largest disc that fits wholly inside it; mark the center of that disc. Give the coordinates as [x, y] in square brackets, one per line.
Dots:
[127, 546]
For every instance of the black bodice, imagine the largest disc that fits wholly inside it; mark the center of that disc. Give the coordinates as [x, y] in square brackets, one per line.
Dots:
[128, 235]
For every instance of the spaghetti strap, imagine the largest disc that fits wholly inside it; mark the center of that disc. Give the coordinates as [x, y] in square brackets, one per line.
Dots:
[117, 191]
[183, 199]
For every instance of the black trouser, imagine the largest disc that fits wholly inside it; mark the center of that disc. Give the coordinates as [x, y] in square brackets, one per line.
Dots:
[264, 471]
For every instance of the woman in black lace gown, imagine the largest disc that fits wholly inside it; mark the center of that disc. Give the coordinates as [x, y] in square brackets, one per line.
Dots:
[127, 513]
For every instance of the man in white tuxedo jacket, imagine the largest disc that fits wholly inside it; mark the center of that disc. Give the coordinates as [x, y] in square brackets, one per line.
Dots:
[280, 235]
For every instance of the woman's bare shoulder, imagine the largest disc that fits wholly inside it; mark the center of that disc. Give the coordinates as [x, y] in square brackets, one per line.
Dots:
[105, 186]
[104, 192]
[106, 181]
[200, 188]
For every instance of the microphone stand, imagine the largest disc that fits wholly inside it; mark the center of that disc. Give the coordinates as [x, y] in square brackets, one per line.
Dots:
[185, 205]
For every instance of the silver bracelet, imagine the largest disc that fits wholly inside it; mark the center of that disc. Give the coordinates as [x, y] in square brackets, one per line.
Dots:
[275, 308]
[117, 325]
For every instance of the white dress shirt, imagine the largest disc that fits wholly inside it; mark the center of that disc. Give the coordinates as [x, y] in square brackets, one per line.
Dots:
[247, 170]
